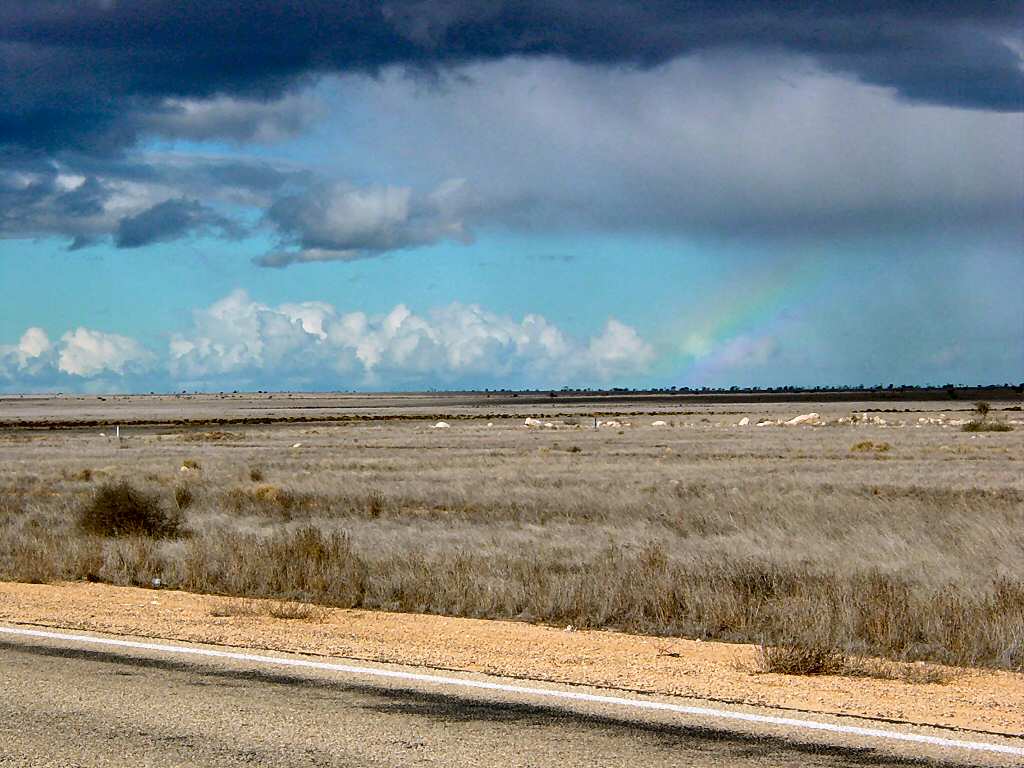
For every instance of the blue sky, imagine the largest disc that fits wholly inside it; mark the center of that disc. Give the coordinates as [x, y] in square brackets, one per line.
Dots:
[634, 209]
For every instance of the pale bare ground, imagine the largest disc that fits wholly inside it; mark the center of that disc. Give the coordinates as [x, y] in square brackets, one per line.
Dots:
[991, 702]
[911, 548]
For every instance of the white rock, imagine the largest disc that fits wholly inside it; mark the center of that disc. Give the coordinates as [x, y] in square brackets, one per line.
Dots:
[532, 422]
[744, 421]
[442, 425]
[659, 423]
[296, 445]
[805, 418]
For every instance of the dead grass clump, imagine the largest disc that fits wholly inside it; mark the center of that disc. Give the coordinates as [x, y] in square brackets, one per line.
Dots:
[866, 446]
[292, 610]
[37, 552]
[82, 476]
[256, 474]
[305, 565]
[121, 510]
[191, 464]
[984, 425]
[212, 436]
[800, 659]
[183, 497]
[376, 503]
[270, 500]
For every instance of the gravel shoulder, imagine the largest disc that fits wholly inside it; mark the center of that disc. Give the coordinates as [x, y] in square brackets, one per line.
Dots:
[970, 700]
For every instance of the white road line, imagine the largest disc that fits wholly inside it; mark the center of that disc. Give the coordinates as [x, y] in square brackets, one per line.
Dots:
[542, 692]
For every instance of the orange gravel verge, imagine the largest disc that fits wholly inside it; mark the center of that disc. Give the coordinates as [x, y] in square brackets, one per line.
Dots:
[971, 699]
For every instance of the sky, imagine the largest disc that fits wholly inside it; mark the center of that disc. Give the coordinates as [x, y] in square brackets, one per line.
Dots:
[455, 194]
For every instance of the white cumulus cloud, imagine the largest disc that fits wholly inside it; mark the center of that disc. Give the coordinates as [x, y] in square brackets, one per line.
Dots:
[85, 352]
[239, 339]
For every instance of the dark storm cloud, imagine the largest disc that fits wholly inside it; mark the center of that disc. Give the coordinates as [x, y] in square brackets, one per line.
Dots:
[166, 221]
[91, 73]
[134, 202]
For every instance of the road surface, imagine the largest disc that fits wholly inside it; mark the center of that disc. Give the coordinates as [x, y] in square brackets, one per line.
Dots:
[66, 703]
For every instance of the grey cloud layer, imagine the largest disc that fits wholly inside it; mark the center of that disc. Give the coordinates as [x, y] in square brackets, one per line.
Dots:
[767, 148]
[726, 146]
[133, 202]
[721, 119]
[87, 73]
[338, 222]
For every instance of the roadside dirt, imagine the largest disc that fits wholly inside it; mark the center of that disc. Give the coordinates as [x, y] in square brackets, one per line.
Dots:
[969, 699]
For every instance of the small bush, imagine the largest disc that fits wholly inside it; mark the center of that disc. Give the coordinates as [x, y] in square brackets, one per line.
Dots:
[278, 609]
[121, 510]
[190, 464]
[376, 503]
[183, 497]
[983, 425]
[256, 474]
[214, 436]
[865, 446]
[83, 475]
[800, 659]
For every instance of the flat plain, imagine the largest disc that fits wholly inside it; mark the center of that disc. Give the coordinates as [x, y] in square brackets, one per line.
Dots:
[875, 530]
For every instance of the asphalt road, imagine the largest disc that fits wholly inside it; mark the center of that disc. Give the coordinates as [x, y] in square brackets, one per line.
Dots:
[67, 705]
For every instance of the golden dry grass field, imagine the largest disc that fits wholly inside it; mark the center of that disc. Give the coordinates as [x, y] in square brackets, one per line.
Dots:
[832, 540]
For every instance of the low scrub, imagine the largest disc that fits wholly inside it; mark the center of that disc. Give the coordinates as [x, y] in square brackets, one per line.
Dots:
[119, 509]
[809, 658]
[293, 610]
[984, 425]
[212, 437]
[183, 497]
[866, 446]
[801, 659]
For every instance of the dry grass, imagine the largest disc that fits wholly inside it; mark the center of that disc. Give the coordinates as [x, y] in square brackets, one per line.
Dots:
[984, 425]
[277, 609]
[867, 446]
[213, 436]
[701, 530]
[119, 509]
[801, 658]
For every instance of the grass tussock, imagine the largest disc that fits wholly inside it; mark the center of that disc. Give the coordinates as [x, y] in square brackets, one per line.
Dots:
[867, 446]
[291, 610]
[984, 425]
[804, 658]
[184, 497]
[119, 509]
[800, 659]
[213, 436]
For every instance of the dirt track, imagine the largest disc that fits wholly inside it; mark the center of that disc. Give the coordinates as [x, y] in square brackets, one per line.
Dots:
[971, 699]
